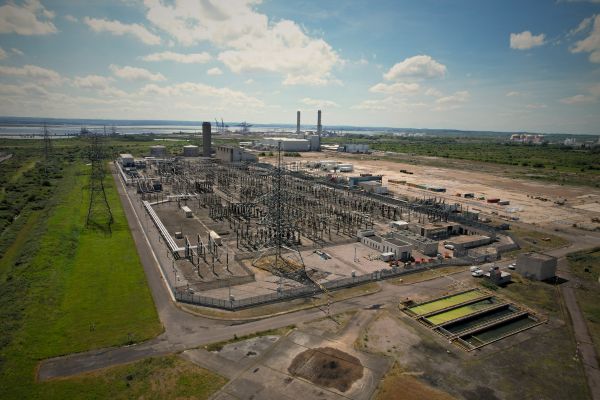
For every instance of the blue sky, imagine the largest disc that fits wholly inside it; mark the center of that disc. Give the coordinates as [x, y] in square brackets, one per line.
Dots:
[476, 65]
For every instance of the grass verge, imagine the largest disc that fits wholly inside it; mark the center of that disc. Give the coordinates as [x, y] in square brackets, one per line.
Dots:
[530, 240]
[586, 266]
[167, 377]
[399, 385]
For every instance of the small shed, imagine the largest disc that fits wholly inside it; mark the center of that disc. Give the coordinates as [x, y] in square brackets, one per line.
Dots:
[187, 211]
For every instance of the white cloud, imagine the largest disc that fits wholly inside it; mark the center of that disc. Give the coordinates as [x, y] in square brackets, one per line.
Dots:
[387, 104]
[536, 106]
[594, 95]
[591, 44]
[514, 94]
[3, 54]
[453, 101]
[248, 39]
[29, 18]
[421, 66]
[41, 75]
[70, 18]
[583, 26]
[190, 58]
[194, 90]
[525, 40]
[319, 103]
[433, 92]
[578, 99]
[249, 81]
[595, 89]
[92, 82]
[400, 88]
[214, 71]
[17, 52]
[119, 29]
[136, 74]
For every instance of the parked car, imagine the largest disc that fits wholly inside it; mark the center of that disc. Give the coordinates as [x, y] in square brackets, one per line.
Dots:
[477, 273]
[512, 266]
[449, 246]
[473, 268]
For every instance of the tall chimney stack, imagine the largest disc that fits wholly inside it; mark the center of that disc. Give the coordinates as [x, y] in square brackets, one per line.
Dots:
[298, 121]
[206, 139]
[319, 126]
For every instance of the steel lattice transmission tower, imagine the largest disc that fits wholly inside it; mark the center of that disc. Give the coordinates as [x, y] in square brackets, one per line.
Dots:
[280, 254]
[99, 212]
[46, 148]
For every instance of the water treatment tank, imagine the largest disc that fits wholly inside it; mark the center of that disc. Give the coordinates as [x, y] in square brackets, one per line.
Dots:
[191, 151]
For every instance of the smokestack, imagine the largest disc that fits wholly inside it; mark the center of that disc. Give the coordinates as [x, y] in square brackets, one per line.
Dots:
[319, 126]
[297, 121]
[206, 131]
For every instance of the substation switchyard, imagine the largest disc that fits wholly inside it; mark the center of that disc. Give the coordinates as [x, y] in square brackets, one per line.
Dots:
[233, 235]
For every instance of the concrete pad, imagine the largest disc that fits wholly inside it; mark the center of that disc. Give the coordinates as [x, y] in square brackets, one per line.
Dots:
[247, 350]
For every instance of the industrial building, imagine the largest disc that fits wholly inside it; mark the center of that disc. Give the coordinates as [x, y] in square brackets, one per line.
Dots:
[232, 154]
[437, 230]
[399, 248]
[469, 241]
[373, 187]
[292, 144]
[158, 151]
[126, 160]
[536, 266]
[422, 244]
[191, 151]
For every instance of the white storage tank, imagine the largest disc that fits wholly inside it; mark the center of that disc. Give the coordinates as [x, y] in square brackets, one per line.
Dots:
[158, 151]
[191, 151]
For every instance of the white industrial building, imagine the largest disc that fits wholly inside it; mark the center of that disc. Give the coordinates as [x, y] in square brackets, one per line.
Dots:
[235, 154]
[313, 143]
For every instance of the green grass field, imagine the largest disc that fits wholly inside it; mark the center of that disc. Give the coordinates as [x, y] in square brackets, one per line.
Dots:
[68, 289]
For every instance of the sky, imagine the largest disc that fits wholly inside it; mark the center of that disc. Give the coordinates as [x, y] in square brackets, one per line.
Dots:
[451, 64]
